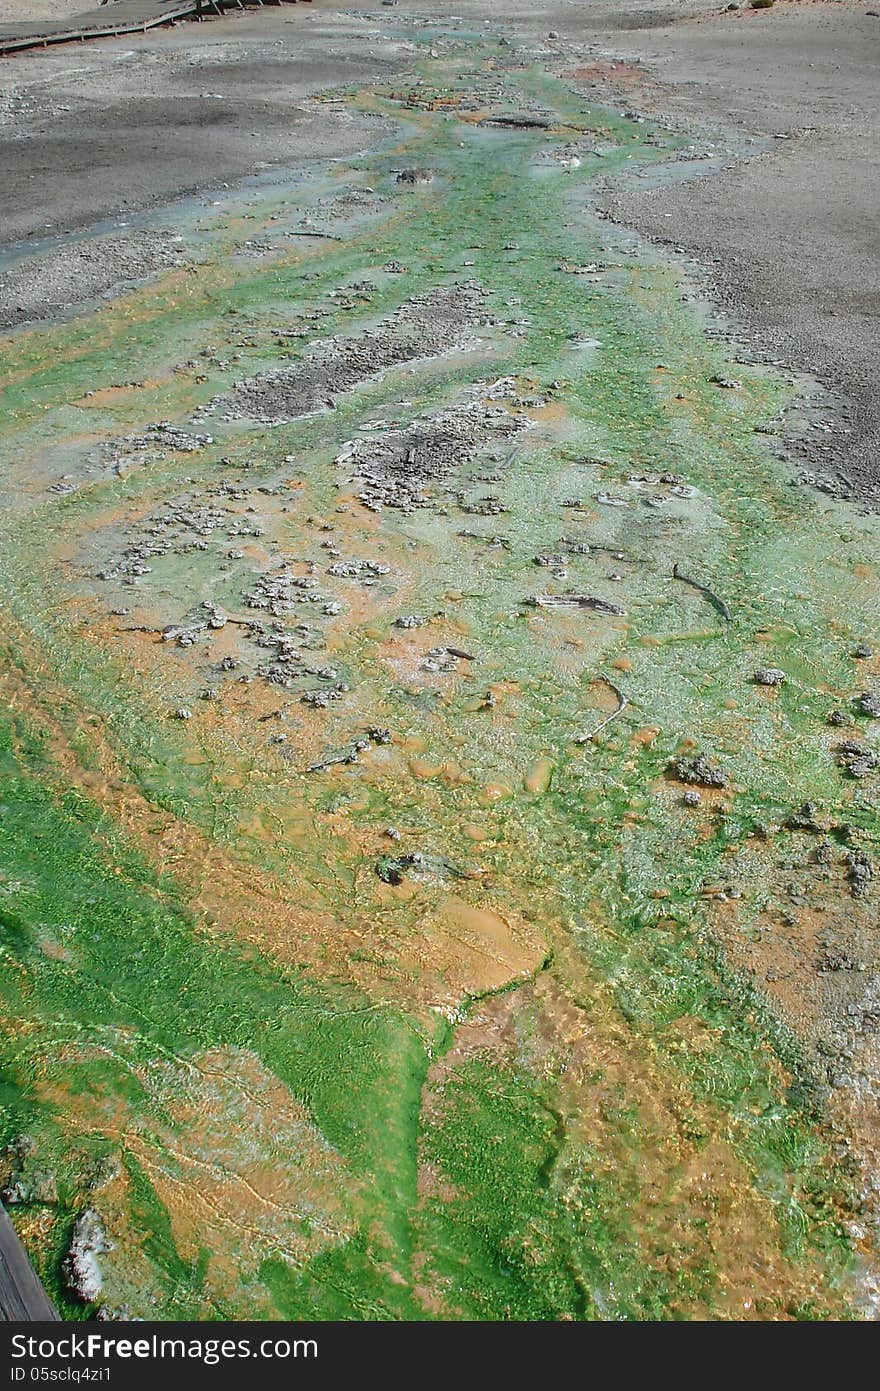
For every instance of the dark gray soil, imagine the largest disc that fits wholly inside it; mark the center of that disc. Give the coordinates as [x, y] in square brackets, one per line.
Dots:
[790, 231]
[109, 128]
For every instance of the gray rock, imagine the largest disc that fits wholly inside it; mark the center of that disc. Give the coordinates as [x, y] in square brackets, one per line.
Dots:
[415, 176]
[698, 771]
[768, 676]
[856, 758]
[860, 872]
[804, 819]
[40, 1186]
[81, 1267]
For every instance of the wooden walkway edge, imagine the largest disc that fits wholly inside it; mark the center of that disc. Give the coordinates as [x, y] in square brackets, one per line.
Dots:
[22, 1297]
[113, 20]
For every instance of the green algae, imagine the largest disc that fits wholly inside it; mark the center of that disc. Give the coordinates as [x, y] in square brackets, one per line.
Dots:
[136, 969]
[538, 1227]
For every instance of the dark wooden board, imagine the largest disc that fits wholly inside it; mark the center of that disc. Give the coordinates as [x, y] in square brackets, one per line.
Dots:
[22, 1297]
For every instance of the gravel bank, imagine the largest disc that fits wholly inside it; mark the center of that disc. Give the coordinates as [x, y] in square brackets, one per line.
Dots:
[43, 285]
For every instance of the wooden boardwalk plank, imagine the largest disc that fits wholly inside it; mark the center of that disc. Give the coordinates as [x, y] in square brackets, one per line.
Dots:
[22, 1297]
[108, 21]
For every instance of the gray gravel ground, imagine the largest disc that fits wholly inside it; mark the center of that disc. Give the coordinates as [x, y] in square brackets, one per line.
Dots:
[40, 286]
[791, 232]
[108, 129]
[93, 131]
[423, 327]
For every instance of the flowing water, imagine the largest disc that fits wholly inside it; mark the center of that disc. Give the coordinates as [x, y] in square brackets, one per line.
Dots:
[364, 955]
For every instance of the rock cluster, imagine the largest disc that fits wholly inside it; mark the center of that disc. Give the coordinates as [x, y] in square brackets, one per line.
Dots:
[81, 1267]
[424, 326]
[403, 467]
[699, 771]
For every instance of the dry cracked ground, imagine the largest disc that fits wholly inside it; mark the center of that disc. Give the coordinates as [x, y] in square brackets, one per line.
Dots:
[441, 665]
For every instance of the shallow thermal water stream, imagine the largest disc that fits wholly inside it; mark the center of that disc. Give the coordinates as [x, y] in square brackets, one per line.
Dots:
[376, 943]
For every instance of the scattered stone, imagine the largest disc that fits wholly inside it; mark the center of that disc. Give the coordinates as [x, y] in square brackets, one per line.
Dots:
[856, 758]
[832, 959]
[185, 635]
[868, 703]
[440, 659]
[424, 326]
[804, 819]
[378, 734]
[26, 1180]
[769, 676]
[323, 699]
[484, 507]
[114, 1314]
[41, 1186]
[836, 717]
[20, 1149]
[699, 771]
[691, 798]
[217, 619]
[583, 601]
[403, 468]
[419, 867]
[356, 569]
[81, 270]
[862, 651]
[415, 176]
[860, 872]
[102, 1171]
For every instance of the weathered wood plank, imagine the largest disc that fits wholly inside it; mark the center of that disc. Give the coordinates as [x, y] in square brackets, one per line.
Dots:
[108, 21]
[22, 1297]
